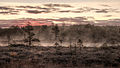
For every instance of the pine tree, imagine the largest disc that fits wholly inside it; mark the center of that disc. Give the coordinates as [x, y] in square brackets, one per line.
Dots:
[56, 31]
[30, 34]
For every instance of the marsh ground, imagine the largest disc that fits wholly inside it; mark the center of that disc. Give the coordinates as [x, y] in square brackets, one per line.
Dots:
[47, 57]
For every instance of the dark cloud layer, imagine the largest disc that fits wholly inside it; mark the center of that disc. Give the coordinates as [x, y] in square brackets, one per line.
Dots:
[5, 8]
[107, 10]
[57, 8]
[97, 10]
[58, 5]
[27, 6]
[36, 11]
[9, 12]
[102, 11]
[64, 11]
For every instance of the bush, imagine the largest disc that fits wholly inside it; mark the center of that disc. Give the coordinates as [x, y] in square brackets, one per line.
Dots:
[17, 45]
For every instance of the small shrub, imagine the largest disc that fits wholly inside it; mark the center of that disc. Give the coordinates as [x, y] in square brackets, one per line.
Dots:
[17, 45]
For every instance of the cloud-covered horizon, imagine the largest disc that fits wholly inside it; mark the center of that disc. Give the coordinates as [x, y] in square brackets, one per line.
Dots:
[67, 21]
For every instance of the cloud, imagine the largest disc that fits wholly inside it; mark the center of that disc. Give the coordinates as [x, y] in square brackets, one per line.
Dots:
[36, 11]
[41, 21]
[4, 12]
[108, 16]
[109, 21]
[76, 11]
[8, 23]
[27, 6]
[64, 11]
[114, 22]
[87, 9]
[80, 10]
[12, 12]
[97, 10]
[5, 8]
[23, 22]
[102, 11]
[58, 5]
[8, 10]
[75, 20]
[107, 10]
[104, 5]
[48, 8]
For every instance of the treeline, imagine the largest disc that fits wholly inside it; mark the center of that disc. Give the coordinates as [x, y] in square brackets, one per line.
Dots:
[87, 33]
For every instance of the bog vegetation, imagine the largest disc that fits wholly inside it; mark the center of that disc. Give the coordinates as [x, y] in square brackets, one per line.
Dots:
[61, 34]
[21, 52]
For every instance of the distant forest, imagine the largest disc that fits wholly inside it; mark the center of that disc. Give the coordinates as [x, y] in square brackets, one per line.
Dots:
[87, 33]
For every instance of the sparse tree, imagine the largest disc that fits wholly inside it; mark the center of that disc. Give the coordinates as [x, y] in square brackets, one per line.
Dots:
[8, 39]
[56, 31]
[75, 48]
[80, 44]
[30, 34]
[57, 47]
[70, 45]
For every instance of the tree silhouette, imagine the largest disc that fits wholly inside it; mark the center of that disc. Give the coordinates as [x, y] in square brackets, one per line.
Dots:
[56, 31]
[30, 34]
[80, 43]
[57, 47]
[70, 45]
[9, 39]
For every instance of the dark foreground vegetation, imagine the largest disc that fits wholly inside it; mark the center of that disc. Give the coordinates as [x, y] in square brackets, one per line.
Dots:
[47, 57]
[22, 53]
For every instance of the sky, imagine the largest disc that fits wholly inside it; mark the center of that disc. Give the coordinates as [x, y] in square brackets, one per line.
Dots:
[57, 1]
[45, 12]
